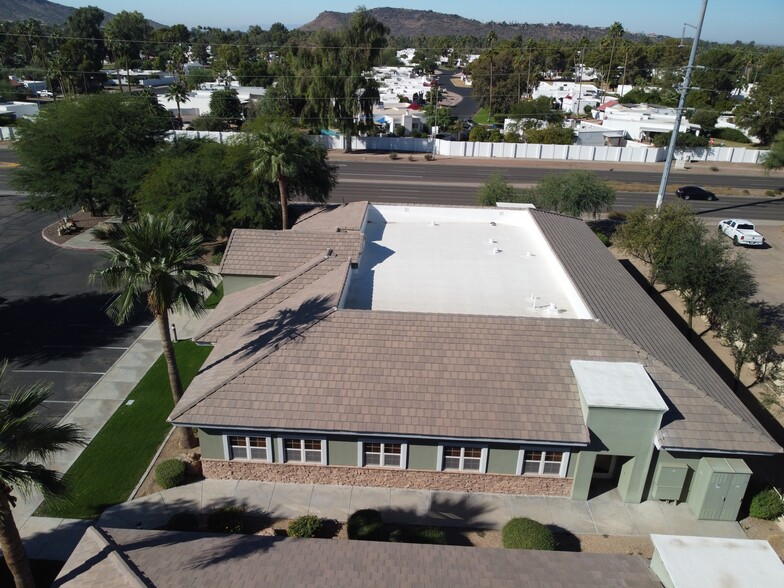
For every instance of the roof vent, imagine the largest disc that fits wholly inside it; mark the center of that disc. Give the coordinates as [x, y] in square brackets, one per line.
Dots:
[529, 254]
[491, 241]
[492, 223]
[533, 298]
[433, 224]
[337, 229]
[496, 250]
[552, 307]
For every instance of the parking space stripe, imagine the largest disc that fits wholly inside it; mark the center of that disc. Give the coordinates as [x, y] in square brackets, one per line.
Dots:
[82, 347]
[56, 372]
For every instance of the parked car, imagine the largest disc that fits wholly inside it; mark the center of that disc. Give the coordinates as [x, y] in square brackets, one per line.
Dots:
[694, 193]
[45, 94]
[741, 232]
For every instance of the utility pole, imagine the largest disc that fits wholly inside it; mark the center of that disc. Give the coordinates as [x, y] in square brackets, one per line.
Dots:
[680, 109]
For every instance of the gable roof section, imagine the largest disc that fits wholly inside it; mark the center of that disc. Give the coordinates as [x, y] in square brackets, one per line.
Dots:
[239, 308]
[238, 352]
[616, 299]
[165, 558]
[344, 217]
[253, 252]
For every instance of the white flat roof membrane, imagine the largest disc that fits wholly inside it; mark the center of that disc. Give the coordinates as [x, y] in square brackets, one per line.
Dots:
[453, 260]
[607, 384]
[699, 562]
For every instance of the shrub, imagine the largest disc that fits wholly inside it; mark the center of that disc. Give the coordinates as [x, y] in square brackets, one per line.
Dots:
[393, 156]
[217, 258]
[184, 521]
[617, 216]
[524, 533]
[766, 505]
[427, 535]
[411, 158]
[429, 156]
[227, 519]
[305, 526]
[603, 238]
[365, 524]
[770, 193]
[731, 135]
[170, 473]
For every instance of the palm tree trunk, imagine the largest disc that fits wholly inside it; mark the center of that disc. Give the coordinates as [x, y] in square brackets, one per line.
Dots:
[284, 202]
[11, 543]
[187, 440]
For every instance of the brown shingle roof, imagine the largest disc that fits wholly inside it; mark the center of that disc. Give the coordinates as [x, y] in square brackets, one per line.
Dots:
[163, 558]
[251, 252]
[274, 329]
[616, 299]
[346, 217]
[239, 308]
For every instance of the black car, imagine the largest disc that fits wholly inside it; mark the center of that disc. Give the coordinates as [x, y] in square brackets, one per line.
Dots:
[694, 193]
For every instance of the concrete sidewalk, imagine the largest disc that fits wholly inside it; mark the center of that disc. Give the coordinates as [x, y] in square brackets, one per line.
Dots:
[92, 412]
[271, 502]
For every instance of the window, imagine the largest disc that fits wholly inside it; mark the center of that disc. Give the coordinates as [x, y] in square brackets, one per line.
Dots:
[248, 448]
[546, 463]
[462, 458]
[303, 450]
[383, 454]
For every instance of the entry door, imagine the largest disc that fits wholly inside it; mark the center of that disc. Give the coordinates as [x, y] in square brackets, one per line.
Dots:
[735, 492]
[604, 468]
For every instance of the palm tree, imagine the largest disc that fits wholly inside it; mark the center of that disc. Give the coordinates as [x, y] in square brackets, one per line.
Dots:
[178, 91]
[280, 155]
[24, 437]
[155, 260]
[615, 32]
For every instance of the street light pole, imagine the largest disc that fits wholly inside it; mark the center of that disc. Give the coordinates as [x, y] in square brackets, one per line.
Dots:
[681, 104]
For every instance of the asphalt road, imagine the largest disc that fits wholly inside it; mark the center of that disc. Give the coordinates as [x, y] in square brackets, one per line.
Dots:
[52, 324]
[402, 181]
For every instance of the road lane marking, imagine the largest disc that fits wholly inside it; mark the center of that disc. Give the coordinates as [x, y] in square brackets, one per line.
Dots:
[393, 176]
[61, 401]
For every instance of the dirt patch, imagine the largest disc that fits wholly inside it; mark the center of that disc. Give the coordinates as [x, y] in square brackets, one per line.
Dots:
[83, 220]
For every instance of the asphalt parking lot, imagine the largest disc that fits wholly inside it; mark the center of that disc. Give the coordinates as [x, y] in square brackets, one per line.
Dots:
[52, 324]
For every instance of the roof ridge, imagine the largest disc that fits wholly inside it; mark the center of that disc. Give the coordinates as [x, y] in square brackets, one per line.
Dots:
[255, 359]
[268, 349]
[274, 286]
[117, 556]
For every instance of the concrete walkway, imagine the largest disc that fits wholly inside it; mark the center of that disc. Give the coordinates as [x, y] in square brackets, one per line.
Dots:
[96, 407]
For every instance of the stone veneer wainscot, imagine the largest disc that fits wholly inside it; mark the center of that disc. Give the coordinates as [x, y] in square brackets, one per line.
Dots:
[386, 478]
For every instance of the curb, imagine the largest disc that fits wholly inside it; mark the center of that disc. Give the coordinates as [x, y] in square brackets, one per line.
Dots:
[64, 245]
[149, 467]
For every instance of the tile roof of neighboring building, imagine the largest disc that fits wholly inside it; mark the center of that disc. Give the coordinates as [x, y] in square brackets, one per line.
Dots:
[617, 300]
[346, 217]
[273, 253]
[162, 558]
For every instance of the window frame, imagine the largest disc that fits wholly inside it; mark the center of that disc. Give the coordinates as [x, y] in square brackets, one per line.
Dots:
[521, 459]
[229, 453]
[403, 453]
[463, 446]
[302, 438]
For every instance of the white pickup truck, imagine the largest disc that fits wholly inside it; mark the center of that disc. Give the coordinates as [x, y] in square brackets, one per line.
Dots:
[741, 232]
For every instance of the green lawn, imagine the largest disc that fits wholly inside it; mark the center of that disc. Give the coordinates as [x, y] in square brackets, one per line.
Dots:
[109, 468]
[481, 117]
[215, 297]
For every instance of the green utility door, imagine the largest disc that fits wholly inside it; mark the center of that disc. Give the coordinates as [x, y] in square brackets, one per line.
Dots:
[718, 488]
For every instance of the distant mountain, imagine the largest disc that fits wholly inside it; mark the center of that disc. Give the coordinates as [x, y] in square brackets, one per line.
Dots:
[405, 22]
[45, 11]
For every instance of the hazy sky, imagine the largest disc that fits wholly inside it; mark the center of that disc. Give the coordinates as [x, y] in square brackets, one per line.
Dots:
[761, 21]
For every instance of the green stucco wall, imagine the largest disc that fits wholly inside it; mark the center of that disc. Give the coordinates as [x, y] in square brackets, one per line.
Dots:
[422, 457]
[623, 432]
[342, 452]
[233, 284]
[211, 444]
[502, 460]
